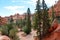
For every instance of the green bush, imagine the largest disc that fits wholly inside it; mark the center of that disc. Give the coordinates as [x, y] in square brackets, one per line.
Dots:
[26, 30]
[4, 30]
[10, 31]
[16, 37]
[12, 34]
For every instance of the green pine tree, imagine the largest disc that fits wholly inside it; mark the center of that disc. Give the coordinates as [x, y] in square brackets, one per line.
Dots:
[24, 20]
[42, 19]
[28, 18]
[0, 21]
[35, 24]
[53, 14]
[11, 20]
[19, 23]
[27, 28]
[46, 20]
[38, 18]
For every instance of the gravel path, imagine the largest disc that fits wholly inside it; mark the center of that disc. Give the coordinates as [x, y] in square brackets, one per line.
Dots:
[27, 37]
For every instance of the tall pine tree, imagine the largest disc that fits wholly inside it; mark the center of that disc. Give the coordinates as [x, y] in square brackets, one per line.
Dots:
[53, 14]
[28, 18]
[38, 18]
[0, 21]
[42, 19]
[28, 22]
[46, 21]
[35, 24]
[11, 19]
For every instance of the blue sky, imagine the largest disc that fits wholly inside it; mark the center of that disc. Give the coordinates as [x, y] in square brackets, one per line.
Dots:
[11, 7]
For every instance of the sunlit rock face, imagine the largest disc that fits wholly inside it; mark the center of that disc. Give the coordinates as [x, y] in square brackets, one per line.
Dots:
[54, 32]
[55, 35]
[56, 8]
[53, 26]
[3, 20]
[17, 16]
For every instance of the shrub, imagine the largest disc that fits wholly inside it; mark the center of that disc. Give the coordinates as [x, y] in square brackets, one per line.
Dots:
[26, 30]
[4, 30]
[12, 34]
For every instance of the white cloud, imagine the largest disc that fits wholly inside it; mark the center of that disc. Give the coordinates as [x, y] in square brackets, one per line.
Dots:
[32, 2]
[17, 1]
[13, 1]
[17, 11]
[48, 2]
[13, 7]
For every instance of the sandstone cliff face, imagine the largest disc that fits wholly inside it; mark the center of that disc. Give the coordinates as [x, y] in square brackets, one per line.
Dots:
[56, 9]
[55, 35]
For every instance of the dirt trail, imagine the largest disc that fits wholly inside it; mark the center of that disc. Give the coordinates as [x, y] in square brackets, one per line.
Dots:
[27, 37]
